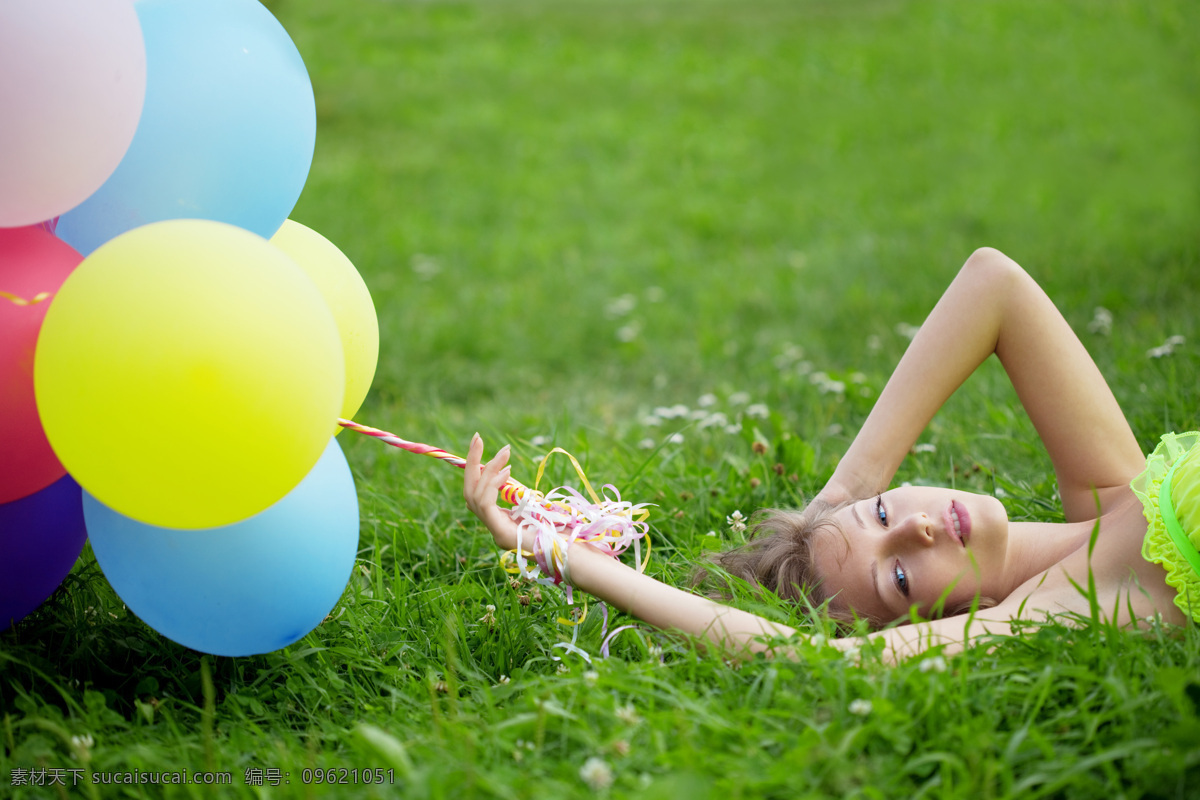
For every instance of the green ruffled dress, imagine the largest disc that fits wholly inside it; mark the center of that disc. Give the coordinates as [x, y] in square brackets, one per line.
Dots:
[1169, 489]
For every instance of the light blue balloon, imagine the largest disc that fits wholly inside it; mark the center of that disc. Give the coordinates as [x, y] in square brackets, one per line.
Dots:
[227, 129]
[251, 587]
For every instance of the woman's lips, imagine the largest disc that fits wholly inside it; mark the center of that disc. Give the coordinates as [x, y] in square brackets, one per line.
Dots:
[958, 522]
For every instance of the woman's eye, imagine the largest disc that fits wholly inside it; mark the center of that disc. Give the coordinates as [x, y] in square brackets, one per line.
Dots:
[880, 511]
[901, 579]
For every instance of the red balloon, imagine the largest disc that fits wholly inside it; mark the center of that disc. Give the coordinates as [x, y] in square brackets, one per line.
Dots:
[33, 264]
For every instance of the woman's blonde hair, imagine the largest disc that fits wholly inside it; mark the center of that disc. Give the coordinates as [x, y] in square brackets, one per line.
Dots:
[779, 557]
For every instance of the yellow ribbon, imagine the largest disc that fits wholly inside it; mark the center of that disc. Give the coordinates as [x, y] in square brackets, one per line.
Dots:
[578, 471]
[21, 301]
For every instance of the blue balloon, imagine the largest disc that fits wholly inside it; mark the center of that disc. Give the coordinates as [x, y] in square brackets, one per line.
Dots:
[241, 589]
[227, 129]
[41, 536]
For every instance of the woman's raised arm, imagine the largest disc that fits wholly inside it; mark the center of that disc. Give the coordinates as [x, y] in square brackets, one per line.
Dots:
[993, 306]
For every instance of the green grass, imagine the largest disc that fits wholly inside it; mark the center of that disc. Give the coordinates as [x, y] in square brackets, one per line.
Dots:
[772, 187]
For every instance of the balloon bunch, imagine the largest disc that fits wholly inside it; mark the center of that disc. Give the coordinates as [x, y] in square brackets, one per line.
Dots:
[153, 297]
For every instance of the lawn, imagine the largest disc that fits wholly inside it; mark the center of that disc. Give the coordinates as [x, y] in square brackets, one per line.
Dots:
[598, 225]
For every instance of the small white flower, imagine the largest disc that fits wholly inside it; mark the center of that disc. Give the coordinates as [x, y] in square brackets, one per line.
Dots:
[711, 533]
[934, 664]
[425, 266]
[925, 447]
[737, 522]
[672, 412]
[698, 414]
[591, 677]
[825, 384]
[1102, 320]
[789, 355]
[757, 411]
[707, 400]
[739, 398]
[539, 441]
[906, 330]
[651, 420]
[714, 419]
[627, 714]
[82, 745]
[1166, 348]
[627, 333]
[860, 707]
[620, 306]
[504, 679]
[563, 669]
[735, 428]
[647, 444]
[489, 617]
[596, 773]
[675, 438]
[833, 430]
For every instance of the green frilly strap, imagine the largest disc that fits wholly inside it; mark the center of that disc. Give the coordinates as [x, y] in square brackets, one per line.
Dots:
[1166, 510]
[1169, 489]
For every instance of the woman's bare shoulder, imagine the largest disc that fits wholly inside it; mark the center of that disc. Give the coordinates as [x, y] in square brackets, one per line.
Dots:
[1108, 559]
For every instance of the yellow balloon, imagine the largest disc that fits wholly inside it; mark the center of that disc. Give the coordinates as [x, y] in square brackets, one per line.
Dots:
[348, 299]
[187, 374]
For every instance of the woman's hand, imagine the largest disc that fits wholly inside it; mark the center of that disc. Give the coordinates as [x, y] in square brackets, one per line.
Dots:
[481, 487]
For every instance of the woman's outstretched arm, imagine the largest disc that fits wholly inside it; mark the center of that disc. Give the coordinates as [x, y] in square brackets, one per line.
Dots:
[665, 607]
[993, 306]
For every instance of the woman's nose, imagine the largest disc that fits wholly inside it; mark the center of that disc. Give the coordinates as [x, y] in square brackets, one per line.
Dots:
[915, 528]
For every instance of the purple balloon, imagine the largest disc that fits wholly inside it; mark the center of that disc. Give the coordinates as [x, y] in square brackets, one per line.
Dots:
[40, 537]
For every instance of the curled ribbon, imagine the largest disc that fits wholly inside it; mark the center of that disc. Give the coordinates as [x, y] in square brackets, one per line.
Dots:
[21, 301]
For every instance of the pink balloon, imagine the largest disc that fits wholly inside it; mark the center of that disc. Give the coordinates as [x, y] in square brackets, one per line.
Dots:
[72, 82]
[33, 265]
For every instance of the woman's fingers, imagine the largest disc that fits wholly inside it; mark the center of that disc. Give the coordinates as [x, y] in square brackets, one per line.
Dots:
[482, 482]
[481, 485]
[472, 470]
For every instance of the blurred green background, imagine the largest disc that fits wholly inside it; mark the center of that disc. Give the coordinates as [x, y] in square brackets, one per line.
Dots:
[747, 173]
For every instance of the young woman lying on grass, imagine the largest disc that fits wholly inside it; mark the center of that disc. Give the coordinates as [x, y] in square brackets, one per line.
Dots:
[877, 553]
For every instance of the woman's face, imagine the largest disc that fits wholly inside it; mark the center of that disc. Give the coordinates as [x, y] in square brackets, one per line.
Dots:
[915, 545]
